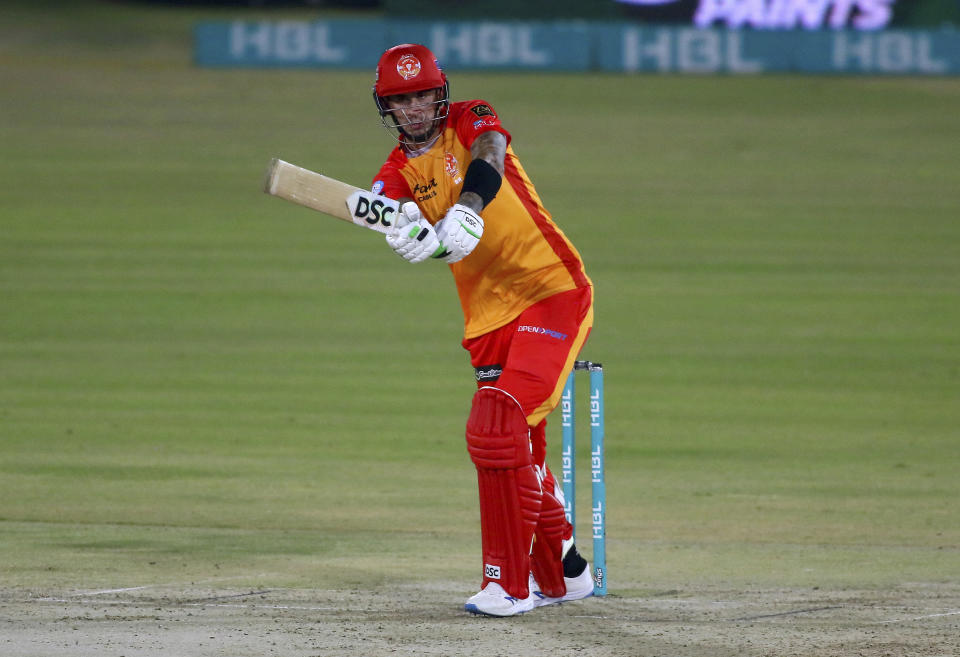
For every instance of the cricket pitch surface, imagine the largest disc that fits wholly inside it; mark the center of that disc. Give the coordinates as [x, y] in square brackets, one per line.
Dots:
[429, 620]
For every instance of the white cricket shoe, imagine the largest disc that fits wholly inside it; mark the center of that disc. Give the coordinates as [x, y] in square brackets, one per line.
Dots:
[540, 599]
[494, 601]
[578, 588]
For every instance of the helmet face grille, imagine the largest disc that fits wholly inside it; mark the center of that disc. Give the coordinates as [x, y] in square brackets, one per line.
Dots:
[396, 119]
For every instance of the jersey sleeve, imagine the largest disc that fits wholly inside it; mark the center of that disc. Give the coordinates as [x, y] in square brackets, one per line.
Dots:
[389, 181]
[477, 117]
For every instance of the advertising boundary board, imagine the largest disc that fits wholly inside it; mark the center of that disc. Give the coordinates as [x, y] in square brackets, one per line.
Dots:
[577, 46]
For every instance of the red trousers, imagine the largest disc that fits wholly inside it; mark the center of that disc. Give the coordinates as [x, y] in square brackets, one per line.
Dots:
[530, 358]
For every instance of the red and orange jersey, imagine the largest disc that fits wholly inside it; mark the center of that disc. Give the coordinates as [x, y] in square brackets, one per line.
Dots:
[523, 256]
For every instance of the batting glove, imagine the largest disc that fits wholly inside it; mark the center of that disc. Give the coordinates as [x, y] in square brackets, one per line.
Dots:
[459, 232]
[413, 239]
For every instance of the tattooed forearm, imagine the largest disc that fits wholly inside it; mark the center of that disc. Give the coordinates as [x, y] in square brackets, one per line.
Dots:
[492, 147]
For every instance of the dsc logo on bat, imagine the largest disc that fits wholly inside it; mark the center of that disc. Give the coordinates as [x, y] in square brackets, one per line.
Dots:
[372, 210]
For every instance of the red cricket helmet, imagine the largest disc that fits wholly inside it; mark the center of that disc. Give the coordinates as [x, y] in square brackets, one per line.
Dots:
[408, 68]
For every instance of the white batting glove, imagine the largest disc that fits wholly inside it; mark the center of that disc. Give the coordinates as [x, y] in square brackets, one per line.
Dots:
[459, 232]
[413, 239]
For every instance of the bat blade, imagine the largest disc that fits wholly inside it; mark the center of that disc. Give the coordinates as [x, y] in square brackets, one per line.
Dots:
[330, 196]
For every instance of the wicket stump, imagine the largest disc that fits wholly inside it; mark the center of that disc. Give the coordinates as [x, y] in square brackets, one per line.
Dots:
[569, 468]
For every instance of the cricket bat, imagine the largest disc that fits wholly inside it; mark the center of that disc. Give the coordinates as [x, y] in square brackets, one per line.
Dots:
[330, 196]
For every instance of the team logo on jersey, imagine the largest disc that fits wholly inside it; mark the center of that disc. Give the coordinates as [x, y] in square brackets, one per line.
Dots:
[377, 187]
[452, 167]
[408, 67]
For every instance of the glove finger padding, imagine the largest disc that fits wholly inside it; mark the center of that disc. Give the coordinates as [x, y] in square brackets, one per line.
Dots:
[409, 213]
[459, 232]
[415, 242]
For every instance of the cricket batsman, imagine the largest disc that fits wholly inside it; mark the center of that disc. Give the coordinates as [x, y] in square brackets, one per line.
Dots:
[528, 309]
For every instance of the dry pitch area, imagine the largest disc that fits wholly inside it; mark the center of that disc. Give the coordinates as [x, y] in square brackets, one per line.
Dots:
[198, 621]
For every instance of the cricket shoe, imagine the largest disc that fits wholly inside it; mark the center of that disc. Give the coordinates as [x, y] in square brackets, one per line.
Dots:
[540, 599]
[494, 601]
[576, 576]
[578, 588]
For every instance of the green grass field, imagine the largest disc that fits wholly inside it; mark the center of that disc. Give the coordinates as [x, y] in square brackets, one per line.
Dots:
[198, 381]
